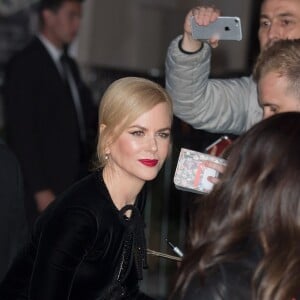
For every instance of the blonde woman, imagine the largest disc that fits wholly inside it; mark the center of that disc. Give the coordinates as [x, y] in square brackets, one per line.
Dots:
[90, 243]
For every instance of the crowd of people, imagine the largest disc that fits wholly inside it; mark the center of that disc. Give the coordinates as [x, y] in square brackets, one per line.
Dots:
[72, 224]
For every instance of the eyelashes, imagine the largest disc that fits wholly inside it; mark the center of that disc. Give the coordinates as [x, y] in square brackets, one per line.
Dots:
[140, 133]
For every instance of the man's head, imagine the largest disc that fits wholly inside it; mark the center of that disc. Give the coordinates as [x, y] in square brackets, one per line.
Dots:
[60, 20]
[277, 73]
[279, 19]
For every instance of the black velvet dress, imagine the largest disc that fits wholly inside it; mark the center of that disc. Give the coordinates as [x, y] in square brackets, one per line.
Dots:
[82, 248]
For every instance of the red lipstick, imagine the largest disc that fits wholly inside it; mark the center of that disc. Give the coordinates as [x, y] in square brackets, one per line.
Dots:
[149, 162]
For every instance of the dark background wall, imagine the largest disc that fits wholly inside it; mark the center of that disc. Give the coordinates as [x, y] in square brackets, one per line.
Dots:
[135, 34]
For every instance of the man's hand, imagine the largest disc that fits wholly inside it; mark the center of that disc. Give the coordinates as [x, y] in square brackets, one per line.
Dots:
[43, 199]
[203, 15]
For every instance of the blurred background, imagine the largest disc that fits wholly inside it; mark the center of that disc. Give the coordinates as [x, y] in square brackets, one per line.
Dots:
[120, 38]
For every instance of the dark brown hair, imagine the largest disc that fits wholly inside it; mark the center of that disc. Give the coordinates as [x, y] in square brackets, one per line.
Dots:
[54, 5]
[258, 196]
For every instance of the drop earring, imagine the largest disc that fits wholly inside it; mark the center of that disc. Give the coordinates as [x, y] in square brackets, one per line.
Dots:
[106, 156]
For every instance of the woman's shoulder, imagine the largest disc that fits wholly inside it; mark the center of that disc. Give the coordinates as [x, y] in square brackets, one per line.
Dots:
[87, 191]
[88, 195]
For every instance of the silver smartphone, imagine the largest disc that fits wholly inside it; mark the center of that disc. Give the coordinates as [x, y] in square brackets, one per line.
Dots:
[224, 28]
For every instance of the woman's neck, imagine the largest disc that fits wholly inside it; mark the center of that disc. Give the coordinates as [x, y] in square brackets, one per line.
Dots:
[123, 189]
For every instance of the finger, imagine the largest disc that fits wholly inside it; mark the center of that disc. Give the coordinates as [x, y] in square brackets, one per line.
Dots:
[214, 42]
[215, 14]
[205, 15]
[218, 167]
[213, 150]
[212, 14]
[212, 179]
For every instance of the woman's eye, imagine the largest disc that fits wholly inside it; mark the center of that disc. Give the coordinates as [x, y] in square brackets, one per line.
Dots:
[137, 133]
[164, 135]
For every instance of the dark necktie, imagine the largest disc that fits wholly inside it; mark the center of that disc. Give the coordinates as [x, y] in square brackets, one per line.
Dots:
[71, 85]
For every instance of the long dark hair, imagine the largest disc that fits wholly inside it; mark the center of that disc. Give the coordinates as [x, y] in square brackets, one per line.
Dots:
[258, 198]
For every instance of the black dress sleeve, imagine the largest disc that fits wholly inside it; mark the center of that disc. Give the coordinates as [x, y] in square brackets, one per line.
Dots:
[63, 245]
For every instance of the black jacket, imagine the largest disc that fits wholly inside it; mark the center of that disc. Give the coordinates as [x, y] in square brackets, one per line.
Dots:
[76, 249]
[41, 122]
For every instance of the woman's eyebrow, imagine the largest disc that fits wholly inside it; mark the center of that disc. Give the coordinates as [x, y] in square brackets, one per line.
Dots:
[137, 126]
[144, 128]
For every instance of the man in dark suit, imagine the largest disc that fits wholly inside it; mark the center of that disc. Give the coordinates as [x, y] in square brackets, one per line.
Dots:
[13, 225]
[50, 116]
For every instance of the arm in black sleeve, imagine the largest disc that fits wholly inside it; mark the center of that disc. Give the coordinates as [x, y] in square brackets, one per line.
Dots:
[64, 244]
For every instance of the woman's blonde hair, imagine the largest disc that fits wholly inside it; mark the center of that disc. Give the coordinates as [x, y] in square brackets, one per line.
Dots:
[122, 103]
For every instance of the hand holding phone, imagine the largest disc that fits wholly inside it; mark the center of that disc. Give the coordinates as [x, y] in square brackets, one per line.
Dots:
[203, 15]
[224, 28]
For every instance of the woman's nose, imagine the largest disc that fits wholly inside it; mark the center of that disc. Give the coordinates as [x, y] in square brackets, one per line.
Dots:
[153, 144]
